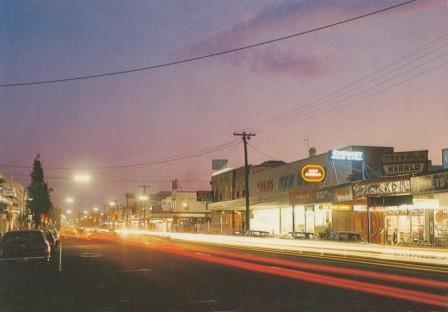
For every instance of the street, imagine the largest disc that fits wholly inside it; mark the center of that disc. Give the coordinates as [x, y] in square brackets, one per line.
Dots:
[162, 275]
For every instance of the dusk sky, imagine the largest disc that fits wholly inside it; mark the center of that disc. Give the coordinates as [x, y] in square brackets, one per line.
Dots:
[156, 114]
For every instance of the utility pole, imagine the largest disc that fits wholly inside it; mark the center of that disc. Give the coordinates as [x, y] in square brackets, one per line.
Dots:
[246, 136]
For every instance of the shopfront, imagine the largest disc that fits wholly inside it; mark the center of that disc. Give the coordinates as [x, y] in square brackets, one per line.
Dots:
[432, 189]
[384, 199]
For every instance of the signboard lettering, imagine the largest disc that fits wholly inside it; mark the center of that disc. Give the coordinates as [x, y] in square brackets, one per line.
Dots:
[346, 155]
[285, 182]
[405, 163]
[361, 190]
[430, 183]
[265, 186]
[304, 196]
[313, 173]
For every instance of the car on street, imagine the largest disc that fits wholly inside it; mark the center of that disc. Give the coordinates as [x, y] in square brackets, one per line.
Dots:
[25, 246]
[299, 235]
[253, 233]
[343, 236]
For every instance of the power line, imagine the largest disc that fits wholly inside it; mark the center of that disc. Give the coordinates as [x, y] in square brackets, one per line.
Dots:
[310, 116]
[197, 58]
[180, 157]
[383, 71]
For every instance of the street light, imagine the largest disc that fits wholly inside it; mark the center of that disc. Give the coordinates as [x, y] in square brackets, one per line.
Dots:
[143, 197]
[69, 200]
[95, 209]
[82, 178]
[68, 211]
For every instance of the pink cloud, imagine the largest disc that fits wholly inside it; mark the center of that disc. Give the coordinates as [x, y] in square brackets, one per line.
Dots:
[292, 15]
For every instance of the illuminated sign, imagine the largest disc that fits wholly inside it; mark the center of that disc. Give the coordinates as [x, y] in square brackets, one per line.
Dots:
[313, 173]
[346, 155]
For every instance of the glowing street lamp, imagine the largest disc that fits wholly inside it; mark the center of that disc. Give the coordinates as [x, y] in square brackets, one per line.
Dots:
[143, 197]
[68, 211]
[95, 209]
[85, 212]
[82, 178]
[69, 200]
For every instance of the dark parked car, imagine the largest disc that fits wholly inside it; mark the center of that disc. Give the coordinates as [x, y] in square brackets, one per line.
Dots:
[343, 236]
[299, 235]
[25, 246]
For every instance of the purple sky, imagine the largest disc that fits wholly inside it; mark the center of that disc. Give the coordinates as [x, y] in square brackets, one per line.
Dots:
[152, 115]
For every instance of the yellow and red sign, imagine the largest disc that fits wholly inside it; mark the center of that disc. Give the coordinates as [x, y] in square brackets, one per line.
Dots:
[313, 173]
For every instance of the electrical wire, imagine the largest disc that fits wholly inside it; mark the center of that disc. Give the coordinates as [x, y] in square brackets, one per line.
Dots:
[197, 58]
[184, 156]
[391, 67]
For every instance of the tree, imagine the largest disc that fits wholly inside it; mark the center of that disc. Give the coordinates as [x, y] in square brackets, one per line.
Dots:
[40, 203]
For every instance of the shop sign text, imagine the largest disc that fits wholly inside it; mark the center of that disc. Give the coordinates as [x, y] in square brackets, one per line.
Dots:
[380, 188]
[313, 173]
[265, 186]
[430, 183]
[285, 182]
[346, 155]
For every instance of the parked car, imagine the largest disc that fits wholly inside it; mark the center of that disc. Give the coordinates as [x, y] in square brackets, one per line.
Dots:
[299, 235]
[25, 246]
[257, 233]
[51, 239]
[343, 236]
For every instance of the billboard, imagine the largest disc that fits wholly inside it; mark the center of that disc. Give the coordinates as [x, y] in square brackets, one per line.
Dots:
[219, 164]
[445, 158]
[414, 162]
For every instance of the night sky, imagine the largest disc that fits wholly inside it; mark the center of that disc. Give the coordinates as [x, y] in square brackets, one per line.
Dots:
[153, 115]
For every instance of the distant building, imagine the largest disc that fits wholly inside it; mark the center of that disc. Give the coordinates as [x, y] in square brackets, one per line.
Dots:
[13, 199]
[180, 211]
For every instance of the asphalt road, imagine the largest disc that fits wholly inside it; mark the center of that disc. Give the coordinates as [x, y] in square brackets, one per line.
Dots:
[160, 275]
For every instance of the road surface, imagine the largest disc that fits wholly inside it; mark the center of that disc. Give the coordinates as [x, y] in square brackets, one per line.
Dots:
[163, 275]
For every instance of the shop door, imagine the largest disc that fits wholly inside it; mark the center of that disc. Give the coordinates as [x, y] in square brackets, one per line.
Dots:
[309, 219]
[404, 229]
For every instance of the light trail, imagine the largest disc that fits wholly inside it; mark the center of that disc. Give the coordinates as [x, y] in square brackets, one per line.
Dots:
[367, 287]
[331, 269]
[414, 255]
[244, 262]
